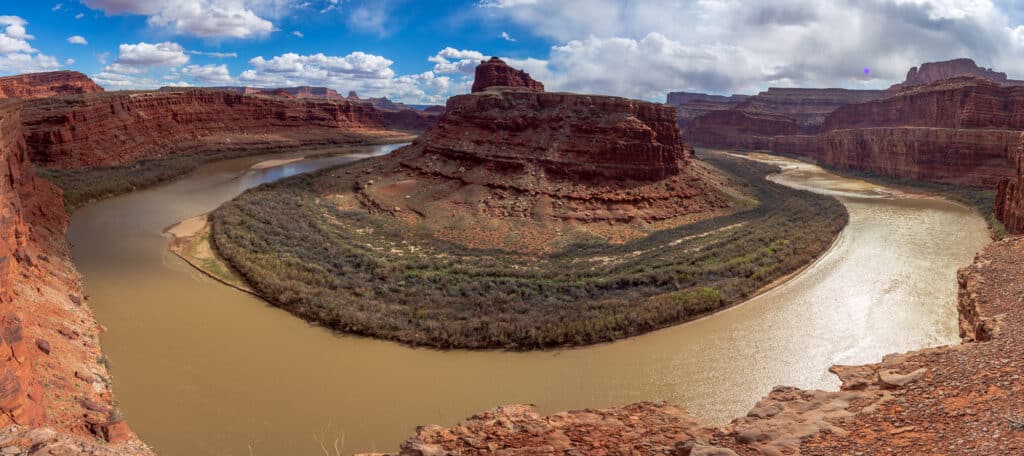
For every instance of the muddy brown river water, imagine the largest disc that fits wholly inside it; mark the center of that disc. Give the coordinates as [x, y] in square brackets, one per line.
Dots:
[203, 369]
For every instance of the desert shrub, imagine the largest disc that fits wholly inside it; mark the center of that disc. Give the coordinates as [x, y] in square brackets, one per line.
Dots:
[353, 272]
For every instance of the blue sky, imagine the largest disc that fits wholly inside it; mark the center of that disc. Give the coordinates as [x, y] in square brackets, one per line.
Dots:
[424, 51]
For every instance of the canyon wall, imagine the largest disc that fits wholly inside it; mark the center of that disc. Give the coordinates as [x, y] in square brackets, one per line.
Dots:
[960, 131]
[972, 157]
[751, 123]
[1009, 205]
[122, 127]
[692, 105]
[20, 397]
[52, 380]
[41, 85]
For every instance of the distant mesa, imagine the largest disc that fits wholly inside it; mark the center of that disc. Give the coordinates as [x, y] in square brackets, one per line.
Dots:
[937, 71]
[496, 73]
[42, 85]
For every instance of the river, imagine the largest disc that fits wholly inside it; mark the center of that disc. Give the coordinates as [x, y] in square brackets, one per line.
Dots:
[202, 369]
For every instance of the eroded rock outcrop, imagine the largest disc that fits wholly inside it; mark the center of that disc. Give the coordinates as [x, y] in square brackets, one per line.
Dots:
[496, 73]
[122, 127]
[41, 85]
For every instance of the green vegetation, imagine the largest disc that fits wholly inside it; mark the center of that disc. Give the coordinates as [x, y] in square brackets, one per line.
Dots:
[84, 185]
[372, 275]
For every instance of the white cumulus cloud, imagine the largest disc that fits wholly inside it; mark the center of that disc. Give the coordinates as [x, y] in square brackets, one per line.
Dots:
[203, 18]
[77, 39]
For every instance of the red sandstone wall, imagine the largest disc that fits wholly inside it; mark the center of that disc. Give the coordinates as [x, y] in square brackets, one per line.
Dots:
[40, 85]
[568, 134]
[122, 127]
[1009, 205]
[956, 156]
[734, 128]
[20, 394]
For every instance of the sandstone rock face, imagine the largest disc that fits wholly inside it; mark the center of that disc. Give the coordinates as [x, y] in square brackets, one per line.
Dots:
[938, 71]
[964, 102]
[1009, 205]
[118, 128]
[496, 73]
[961, 131]
[49, 339]
[736, 128]
[41, 85]
[949, 155]
[19, 395]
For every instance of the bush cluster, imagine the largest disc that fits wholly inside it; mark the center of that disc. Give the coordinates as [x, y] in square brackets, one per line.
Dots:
[372, 275]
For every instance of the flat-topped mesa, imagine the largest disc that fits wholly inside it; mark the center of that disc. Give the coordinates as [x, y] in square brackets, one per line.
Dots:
[41, 85]
[936, 71]
[496, 73]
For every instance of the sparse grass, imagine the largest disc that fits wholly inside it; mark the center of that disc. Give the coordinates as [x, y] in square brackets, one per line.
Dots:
[375, 276]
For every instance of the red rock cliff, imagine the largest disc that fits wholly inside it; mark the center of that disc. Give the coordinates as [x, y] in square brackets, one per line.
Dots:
[50, 371]
[41, 85]
[122, 127]
[495, 72]
[961, 131]
[1009, 205]
[20, 395]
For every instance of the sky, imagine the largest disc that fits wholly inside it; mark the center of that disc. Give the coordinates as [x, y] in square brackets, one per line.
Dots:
[425, 51]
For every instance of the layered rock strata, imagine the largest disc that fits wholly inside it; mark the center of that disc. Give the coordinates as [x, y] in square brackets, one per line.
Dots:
[41, 85]
[122, 127]
[1009, 204]
[964, 400]
[496, 73]
[50, 373]
[571, 157]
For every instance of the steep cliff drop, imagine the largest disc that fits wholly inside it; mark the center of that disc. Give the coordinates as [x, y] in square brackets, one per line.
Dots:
[54, 389]
[1009, 204]
[42, 85]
